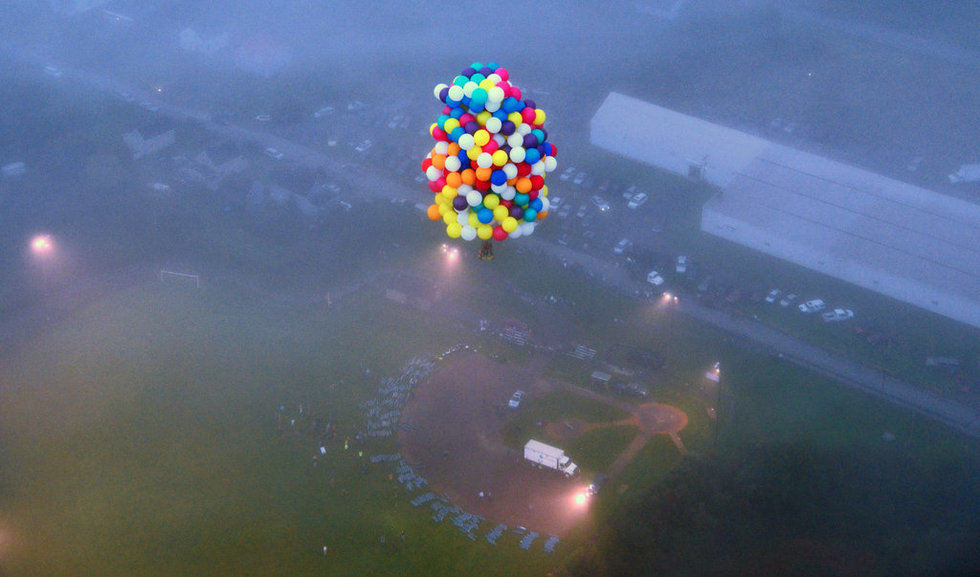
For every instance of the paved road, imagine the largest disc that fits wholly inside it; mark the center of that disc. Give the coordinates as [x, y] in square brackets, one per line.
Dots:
[864, 378]
[832, 365]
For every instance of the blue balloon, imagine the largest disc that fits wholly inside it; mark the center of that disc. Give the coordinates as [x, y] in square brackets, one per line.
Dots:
[485, 215]
[511, 104]
[456, 113]
[536, 204]
[455, 133]
[531, 155]
[530, 215]
[498, 177]
[520, 199]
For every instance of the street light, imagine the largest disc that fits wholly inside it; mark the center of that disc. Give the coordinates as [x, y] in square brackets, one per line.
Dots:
[42, 247]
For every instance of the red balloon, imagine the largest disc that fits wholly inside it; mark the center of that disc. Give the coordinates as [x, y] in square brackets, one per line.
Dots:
[523, 169]
[426, 164]
[499, 233]
[537, 181]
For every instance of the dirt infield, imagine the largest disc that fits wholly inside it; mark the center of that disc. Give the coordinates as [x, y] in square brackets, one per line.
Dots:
[453, 438]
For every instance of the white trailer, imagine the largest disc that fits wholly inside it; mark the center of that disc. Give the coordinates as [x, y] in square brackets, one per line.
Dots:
[550, 457]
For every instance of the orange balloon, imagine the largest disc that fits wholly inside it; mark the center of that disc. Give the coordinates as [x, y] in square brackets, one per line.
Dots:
[543, 215]
[439, 161]
[433, 212]
[484, 174]
[523, 185]
[454, 179]
[453, 149]
[468, 176]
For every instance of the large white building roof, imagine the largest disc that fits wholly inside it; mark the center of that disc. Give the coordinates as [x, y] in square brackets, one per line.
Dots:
[907, 242]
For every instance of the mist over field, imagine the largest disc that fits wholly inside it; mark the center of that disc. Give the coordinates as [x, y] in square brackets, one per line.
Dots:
[222, 289]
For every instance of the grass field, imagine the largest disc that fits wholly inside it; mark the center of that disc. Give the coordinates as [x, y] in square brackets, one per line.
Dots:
[139, 436]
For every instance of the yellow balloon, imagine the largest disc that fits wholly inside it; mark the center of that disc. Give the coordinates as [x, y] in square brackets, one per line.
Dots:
[482, 117]
[449, 217]
[448, 192]
[539, 116]
[500, 158]
[481, 137]
[491, 201]
[454, 229]
[500, 213]
[509, 224]
[473, 152]
[484, 232]
[473, 220]
[487, 84]
[450, 125]
[514, 117]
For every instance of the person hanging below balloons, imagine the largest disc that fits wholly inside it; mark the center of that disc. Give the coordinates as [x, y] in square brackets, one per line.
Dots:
[491, 155]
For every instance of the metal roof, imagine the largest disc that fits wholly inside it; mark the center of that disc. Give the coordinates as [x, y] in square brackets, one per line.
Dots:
[889, 236]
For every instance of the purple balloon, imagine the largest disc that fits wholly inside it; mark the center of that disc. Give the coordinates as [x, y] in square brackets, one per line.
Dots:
[516, 212]
[529, 103]
[443, 94]
[468, 71]
[507, 128]
[460, 204]
[486, 71]
[471, 127]
[530, 141]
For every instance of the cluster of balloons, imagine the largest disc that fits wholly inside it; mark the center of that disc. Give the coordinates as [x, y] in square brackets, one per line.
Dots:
[490, 158]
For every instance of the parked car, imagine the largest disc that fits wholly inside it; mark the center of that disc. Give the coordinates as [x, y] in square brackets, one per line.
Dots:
[637, 200]
[654, 278]
[787, 300]
[515, 399]
[273, 153]
[812, 306]
[600, 203]
[364, 146]
[837, 315]
[568, 173]
[681, 267]
[773, 295]
[622, 246]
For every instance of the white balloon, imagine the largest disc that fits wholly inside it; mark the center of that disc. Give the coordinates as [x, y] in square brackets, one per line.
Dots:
[510, 170]
[517, 232]
[493, 125]
[463, 217]
[491, 106]
[495, 93]
[474, 198]
[441, 147]
[509, 193]
[469, 87]
[453, 163]
[515, 140]
[439, 88]
[550, 163]
[537, 168]
[433, 173]
[545, 203]
[466, 141]
[484, 160]
[468, 232]
[498, 188]
[455, 93]
[527, 228]
[524, 129]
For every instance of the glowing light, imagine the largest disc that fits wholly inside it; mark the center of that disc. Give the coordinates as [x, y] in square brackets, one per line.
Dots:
[581, 499]
[42, 244]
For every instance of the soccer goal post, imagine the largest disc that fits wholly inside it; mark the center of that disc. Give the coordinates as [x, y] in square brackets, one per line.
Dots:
[169, 276]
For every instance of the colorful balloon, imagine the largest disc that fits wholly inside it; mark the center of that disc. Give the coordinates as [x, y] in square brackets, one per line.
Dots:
[491, 154]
